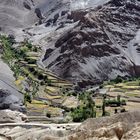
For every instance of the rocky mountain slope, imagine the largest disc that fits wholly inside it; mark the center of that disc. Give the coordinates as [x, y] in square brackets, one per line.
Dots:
[100, 45]
[15, 15]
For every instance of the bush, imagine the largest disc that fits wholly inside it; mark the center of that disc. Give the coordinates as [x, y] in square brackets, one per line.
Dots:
[77, 115]
[74, 94]
[113, 102]
[35, 49]
[122, 110]
[42, 83]
[27, 98]
[45, 78]
[29, 45]
[49, 82]
[118, 80]
[123, 102]
[22, 52]
[48, 114]
[31, 69]
[31, 61]
[11, 39]
[40, 76]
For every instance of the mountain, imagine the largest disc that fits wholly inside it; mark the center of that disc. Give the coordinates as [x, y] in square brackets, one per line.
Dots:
[95, 44]
[82, 41]
[15, 15]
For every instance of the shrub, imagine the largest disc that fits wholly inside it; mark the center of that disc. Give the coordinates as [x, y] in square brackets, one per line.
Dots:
[122, 110]
[113, 102]
[31, 61]
[42, 83]
[35, 49]
[48, 114]
[11, 39]
[31, 69]
[123, 102]
[40, 76]
[27, 98]
[74, 94]
[45, 78]
[118, 80]
[29, 45]
[49, 82]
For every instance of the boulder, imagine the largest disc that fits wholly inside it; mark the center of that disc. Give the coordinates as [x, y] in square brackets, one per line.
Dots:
[10, 101]
[9, 116]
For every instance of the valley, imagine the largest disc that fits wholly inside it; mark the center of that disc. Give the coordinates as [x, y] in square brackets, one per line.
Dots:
[50, 99]
[69, 69]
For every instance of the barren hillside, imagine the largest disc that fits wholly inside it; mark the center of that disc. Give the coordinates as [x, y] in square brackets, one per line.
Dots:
[125, 126]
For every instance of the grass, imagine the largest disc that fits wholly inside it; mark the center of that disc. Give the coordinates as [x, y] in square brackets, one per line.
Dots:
[36, 104]
[132, 94]
[51, 89]
[131, 87]
[32, 54]
[53, 97]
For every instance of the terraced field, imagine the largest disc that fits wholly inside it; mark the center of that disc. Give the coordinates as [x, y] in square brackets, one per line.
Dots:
[42, 89]
[128, 91]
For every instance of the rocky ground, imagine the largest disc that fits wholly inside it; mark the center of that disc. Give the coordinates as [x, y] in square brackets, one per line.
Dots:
[123, 126]
[9, 116]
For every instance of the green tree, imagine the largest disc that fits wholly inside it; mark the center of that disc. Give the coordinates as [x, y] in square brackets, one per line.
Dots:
[104, 105]
[27, 98]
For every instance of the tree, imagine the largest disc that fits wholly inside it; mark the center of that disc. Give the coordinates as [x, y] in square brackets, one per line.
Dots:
[118, 80]
[119, 100]
[103, 106]
[27, 98]
[81, 113]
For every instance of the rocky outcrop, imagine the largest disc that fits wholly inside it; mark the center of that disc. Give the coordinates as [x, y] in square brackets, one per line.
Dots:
[9, 116]
[10, 101]
[109, 128]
